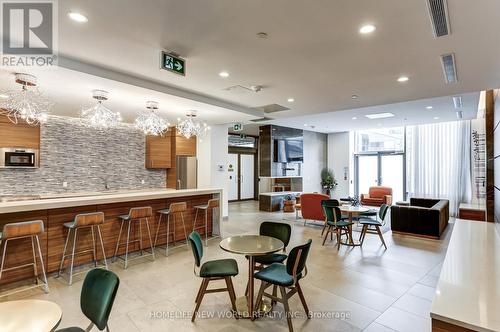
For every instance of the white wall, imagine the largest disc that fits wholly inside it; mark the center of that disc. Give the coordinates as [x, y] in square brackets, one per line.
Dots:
[212, 152]
[315, 159]
[338, 160]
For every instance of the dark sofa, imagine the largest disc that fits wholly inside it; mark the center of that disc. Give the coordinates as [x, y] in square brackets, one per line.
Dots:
[424, 217]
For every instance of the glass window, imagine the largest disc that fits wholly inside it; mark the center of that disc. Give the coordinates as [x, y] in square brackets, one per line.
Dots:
[376, 140]
[242, 141]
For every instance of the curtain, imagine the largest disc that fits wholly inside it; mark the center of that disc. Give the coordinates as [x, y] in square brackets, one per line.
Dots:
[439, 162]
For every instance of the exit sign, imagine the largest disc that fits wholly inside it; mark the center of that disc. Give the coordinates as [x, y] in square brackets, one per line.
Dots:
[237, 127]
[173, 63]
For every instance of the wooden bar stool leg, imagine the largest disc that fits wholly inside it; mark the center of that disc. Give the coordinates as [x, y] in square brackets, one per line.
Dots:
[46, 287]
[72, 257]
[102, 246]
[118, 241]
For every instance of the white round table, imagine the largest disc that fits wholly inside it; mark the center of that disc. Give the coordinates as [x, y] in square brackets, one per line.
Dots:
[250, 245]
[29, 316]
[350, 211]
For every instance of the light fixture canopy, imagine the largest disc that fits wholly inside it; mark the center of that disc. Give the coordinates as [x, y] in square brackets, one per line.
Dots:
[150, 122]
[29, 104]
[189, 127]
[99, 116]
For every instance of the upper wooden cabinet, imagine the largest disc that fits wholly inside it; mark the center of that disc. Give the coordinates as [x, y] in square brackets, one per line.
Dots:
[19, 135]
[159, 151]
[184, 146]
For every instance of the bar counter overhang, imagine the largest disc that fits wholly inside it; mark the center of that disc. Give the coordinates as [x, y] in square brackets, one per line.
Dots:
[55, 210]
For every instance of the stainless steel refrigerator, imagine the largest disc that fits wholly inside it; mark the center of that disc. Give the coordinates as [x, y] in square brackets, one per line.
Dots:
[186, 172]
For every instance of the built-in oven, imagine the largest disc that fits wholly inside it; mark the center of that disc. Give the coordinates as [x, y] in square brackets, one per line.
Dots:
[18, 158]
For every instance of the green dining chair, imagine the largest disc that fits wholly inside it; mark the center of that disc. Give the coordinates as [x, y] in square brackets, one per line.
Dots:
[287, 278]
[371, 225]
[280, 231]
[221, 269]
[335, 223]
[328, 203]
[96, 299]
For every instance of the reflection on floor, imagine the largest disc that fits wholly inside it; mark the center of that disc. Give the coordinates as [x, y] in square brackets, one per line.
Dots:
[352, 289]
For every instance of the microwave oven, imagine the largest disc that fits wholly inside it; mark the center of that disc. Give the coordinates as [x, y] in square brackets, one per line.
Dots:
[18, 158]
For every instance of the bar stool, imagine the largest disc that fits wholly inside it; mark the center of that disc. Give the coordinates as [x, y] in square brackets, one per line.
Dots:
[137, 214]
[212, 204]
[83, 220]
[175, 210]
[23, 230]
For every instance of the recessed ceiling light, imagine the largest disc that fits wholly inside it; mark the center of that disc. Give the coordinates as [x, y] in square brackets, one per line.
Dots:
[262, 35]
[402, 79]
[354, 97]
[366, 29]
[436, 118]
[3, 96]
[379, 115]
[290, 100]
[429, 107]
[77, 17]
[224, 74]
[354, 118]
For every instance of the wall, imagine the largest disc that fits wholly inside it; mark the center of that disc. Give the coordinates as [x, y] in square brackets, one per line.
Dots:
[338, 159]
[212, 151]
[315, 159]
[85, 158]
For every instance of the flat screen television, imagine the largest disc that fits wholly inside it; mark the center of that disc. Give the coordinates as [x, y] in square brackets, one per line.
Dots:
[288, 150]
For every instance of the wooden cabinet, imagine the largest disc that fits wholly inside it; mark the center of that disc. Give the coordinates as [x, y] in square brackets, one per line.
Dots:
[185, 146]
[159, 151]
[19, 135]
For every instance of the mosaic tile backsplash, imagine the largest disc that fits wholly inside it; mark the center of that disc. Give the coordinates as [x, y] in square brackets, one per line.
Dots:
[87, 159]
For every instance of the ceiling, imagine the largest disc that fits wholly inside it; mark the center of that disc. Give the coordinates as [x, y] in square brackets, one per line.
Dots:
[313, 53]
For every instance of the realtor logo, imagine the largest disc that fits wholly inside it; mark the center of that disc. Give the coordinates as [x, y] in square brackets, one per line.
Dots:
[28, 32]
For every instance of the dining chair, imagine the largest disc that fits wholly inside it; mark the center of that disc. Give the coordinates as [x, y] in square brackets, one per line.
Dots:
[286, 277]
[280, 231]
[221, 269]
[371, 225]
[96, 300]
[335, 223]
[330, 203]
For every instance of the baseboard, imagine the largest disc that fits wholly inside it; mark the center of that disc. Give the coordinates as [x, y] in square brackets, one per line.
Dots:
[417, 235]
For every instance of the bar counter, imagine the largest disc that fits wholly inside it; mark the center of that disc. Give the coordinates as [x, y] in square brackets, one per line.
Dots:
[55, 210]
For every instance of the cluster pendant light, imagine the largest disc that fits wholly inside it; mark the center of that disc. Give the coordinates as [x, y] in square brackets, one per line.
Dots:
[189, 127]
[28, 104]
[99, 116]
[150, 122]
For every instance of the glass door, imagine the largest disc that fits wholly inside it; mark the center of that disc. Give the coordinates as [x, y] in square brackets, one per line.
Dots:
[367, 167]
[391, 175]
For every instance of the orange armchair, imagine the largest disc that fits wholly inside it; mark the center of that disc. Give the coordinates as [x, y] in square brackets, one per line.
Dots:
[310, 205]
[377, 196]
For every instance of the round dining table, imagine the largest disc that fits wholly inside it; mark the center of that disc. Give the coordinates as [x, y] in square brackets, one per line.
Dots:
[29, 316]
[251, 246]
[352, 211]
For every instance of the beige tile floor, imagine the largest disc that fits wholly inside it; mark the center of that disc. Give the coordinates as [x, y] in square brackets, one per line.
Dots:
[368, 288]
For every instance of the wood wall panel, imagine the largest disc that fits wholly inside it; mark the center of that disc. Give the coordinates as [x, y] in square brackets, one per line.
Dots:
[185, 146]
[52, 242]
[159, 151]
[18, 135]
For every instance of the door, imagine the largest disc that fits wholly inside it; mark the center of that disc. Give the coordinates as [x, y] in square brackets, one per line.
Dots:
[247, 176]
[367, 173]
[233, 177]
[391, 174]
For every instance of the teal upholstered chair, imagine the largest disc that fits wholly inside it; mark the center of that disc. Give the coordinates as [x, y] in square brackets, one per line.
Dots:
[212, 270]
[96, 300]
[371, 225]
[287, 278]
[335, 223]
[328, 203]
[279, 231]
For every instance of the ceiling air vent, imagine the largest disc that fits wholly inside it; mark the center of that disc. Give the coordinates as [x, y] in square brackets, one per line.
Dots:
[239, 89]
[272, 108]
[449, 68]
[438, 10]
[261, 119]
[457, 102]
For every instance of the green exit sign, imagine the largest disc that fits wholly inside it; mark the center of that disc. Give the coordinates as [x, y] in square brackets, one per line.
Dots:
[237, 127]
[173, 63]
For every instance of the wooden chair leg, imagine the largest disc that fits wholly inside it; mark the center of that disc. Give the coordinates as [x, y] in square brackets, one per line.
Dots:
[287, 308]
[324, 227]
[381, 236]
[199, 292]
[275, 294]
[326, 235]
[204, 289]
[230, 290]
[339, 231]
[262, 288]
[303, 300]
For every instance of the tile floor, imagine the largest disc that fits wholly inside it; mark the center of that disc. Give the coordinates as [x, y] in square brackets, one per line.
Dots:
[365, 289]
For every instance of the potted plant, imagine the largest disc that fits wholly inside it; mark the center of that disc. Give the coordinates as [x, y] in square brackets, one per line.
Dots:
[328, 181]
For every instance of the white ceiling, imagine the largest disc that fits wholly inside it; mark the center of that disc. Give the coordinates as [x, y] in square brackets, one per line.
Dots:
[314, 53]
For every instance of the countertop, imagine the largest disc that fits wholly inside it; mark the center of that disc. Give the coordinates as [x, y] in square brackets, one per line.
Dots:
[468, 291]
[281, 193]
[53, 201]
